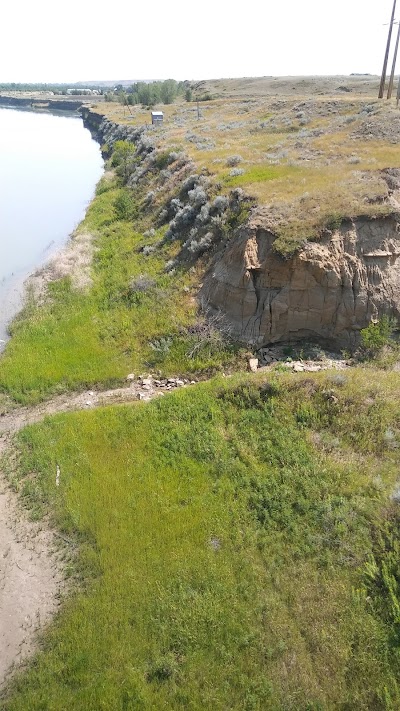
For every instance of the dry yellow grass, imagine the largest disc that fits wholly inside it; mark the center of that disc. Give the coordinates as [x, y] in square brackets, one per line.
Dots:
[308, 157]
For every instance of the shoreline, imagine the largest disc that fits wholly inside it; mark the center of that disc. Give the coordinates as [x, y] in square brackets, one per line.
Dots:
[71, 259]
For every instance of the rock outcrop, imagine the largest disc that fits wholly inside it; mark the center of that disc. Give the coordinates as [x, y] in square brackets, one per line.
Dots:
[328, 291]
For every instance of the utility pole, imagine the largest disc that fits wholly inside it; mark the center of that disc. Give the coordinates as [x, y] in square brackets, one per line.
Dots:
[385, 61]
[195, 88]
[396, 49]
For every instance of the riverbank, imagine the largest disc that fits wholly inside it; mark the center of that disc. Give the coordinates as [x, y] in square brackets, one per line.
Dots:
[73, 260]
[235, 542]
[41, 101]
[51, 165]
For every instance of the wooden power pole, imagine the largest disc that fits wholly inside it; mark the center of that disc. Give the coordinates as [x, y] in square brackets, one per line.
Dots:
[385, 61]
[396, 49]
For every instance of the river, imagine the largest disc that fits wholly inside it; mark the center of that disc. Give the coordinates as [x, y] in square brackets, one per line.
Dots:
[49, 166]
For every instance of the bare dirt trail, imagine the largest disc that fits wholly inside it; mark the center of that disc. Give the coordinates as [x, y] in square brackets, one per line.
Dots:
[29, 582]
[30, 573]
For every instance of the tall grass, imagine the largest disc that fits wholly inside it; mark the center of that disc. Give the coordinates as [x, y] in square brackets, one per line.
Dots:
[84, 339]
[232, 539]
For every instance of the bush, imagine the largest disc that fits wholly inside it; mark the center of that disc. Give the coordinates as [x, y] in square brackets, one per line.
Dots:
[122, 149]
[233, 160]
[220, 204]
[125, 207]
[141, 284]
[377, 335]
[122, 158]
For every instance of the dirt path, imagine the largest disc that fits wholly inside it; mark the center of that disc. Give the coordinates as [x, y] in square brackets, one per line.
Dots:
[30, 574]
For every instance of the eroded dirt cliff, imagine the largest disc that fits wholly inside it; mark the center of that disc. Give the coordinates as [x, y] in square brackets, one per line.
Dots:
[332, 286]
[328, 291]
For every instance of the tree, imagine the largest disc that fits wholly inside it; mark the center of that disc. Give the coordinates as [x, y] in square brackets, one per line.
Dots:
[168, 91]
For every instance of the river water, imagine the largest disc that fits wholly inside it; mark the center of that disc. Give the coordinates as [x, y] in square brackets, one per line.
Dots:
[49, 166]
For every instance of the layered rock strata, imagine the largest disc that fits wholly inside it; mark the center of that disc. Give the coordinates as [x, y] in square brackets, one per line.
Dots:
[328, 291]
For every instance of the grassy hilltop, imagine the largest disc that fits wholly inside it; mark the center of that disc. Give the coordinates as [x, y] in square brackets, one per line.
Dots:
[233, 545]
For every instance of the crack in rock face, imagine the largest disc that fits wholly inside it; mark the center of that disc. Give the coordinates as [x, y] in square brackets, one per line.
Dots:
[328, 291]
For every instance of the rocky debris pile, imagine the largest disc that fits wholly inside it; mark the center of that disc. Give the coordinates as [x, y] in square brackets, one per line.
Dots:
[312, 360]
[309, 366]
[148, 385]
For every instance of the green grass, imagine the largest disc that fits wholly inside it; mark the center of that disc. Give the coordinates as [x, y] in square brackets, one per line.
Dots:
[77, 340]
[238, 548]
[262, 174]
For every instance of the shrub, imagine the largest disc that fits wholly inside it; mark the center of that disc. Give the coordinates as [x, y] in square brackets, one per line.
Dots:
[197, 196]
[125, 207]
[220, 204]
[189, 184]
[145, 145]
[377, 335]
[122, 157]
[141, 284]
[233, 160]
[163, 158]
[201, 245]
[204, 214]
[148, 249]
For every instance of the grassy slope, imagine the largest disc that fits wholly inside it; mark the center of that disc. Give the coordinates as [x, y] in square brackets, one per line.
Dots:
[80, 339]
[238, 546]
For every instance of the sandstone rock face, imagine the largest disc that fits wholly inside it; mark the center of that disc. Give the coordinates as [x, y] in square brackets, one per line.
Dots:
[328, 291]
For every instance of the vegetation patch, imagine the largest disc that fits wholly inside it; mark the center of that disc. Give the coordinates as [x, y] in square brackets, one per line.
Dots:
[84, 339]
[225, 533]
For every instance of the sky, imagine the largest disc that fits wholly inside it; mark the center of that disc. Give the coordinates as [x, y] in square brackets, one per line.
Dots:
[82, 40]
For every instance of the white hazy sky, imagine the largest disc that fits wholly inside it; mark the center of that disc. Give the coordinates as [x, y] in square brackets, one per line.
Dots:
[79, 40]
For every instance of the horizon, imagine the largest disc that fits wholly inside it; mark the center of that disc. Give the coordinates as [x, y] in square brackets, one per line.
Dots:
[103, 82]
[267, 41]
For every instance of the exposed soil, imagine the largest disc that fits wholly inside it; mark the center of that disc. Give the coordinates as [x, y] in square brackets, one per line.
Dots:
[30, 579]
[30, 573]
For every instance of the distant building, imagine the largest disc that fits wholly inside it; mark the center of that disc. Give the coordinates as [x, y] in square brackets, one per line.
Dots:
[157, 117]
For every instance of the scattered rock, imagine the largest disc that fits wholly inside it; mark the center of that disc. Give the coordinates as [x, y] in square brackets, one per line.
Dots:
[298, 368]
[253, 364]
[130, 378]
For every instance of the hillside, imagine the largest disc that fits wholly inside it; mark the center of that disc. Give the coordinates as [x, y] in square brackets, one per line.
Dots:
[233, 544]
